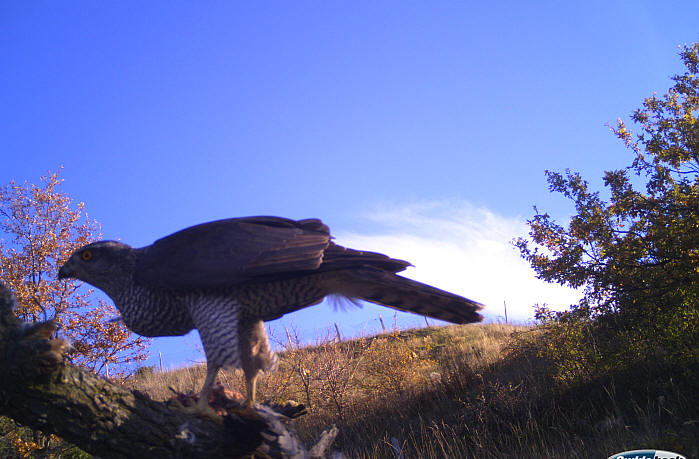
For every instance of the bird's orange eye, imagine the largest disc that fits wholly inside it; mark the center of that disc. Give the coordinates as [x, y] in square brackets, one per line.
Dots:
[86, 255]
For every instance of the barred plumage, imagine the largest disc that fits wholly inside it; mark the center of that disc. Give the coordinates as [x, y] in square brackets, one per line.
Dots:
[226, 278]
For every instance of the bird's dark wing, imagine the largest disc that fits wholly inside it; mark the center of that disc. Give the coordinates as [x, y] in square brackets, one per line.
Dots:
[337, 257]
[231, 251]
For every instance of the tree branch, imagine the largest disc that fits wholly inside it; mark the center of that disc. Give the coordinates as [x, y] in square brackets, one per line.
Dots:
[38, 389]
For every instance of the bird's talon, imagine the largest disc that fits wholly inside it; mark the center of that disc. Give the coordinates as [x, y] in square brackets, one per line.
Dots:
[245, 412]
[202, 410]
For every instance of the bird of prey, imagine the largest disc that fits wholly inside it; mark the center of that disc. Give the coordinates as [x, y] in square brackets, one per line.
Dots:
[227, 277]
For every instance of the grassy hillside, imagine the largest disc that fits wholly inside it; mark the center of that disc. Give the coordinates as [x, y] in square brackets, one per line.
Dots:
[464, 391]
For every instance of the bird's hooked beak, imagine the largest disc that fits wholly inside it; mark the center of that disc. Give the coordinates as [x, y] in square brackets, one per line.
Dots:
[66, 271]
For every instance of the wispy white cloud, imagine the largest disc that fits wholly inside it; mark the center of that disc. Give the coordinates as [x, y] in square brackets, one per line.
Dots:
[463, 249]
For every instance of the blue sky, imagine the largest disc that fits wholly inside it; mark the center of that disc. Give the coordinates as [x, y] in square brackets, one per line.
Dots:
[420, 129]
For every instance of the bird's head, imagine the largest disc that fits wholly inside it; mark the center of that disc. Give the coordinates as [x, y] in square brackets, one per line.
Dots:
[103, 264]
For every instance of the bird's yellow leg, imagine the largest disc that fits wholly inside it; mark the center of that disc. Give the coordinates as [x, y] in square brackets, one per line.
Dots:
[209, 381]
[251, 386]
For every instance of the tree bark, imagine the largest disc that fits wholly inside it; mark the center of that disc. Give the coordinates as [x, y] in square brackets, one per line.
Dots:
[38, 389]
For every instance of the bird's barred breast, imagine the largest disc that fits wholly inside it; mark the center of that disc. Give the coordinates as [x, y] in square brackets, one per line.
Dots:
[271, 299]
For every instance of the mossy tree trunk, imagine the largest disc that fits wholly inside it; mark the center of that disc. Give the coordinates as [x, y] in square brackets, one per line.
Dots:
[39, 390]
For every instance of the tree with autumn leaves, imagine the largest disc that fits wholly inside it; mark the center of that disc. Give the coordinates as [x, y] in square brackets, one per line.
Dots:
[40, 227]
[634, 255]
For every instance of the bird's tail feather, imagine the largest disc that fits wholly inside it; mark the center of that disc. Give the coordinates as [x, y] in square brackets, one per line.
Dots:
[388, 289]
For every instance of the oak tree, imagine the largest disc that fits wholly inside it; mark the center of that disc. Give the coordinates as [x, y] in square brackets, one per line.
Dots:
[634, 253]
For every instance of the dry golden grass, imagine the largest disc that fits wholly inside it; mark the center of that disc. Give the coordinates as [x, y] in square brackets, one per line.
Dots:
[400, 361]
[456, 391]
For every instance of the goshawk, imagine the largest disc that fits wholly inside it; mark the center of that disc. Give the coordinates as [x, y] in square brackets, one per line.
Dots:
[225, 278]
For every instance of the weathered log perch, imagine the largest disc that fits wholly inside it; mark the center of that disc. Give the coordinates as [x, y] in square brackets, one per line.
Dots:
[38, 389]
